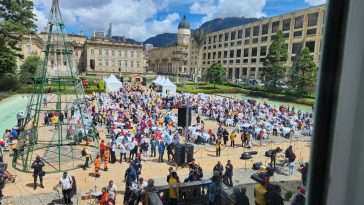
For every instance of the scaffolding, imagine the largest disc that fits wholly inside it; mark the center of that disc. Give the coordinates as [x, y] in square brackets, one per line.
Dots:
[58, 96]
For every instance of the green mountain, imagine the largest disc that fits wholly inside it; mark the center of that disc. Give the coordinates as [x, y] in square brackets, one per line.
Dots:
[165, 39]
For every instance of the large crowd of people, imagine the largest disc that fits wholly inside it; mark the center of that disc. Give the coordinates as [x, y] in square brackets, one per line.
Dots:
[140, 122]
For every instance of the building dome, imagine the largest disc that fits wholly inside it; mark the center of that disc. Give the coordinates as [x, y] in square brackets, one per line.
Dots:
[184, 24]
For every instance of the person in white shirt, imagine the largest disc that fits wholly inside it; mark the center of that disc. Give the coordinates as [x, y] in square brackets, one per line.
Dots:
[122, 152]
[132, 149]
[67, 183]
[111, 188]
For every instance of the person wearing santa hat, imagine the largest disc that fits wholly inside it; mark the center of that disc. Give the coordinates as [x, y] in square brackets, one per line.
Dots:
[300, 197]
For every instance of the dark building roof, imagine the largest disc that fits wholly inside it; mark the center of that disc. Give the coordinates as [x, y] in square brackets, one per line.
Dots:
[184, 24]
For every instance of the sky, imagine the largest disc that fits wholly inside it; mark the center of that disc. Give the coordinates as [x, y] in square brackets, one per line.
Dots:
[141, 19]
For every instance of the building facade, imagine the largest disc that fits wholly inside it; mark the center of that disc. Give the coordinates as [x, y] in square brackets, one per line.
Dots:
[110, 56]
[173, 59]
[91, 55]
[242, 49]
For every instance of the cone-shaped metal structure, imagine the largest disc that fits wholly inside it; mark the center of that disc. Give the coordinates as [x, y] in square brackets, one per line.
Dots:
[57, 95]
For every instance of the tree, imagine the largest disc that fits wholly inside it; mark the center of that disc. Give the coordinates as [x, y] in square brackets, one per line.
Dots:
[216, 74]
[28, 69]
[303, 74]
[198, 37]
[16, 19]
[274, 64]
[7, 61]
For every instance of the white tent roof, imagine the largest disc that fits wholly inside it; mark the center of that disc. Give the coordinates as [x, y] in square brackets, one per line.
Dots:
[158, 80]
[112, 83]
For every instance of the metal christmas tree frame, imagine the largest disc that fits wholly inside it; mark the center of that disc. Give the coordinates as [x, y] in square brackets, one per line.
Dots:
[56, 90]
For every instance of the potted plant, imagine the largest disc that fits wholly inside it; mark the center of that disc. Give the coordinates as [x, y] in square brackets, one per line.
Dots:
[288, 195]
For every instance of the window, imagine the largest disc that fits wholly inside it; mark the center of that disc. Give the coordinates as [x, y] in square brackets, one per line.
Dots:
[106, 52]
[247, 41]
[220, 37]
[256, 31]
[225, 54]
[254, 51]
[106, 62]
[263, 50]
[209, 56]
[246, 52]
[286, 24]
[265, 28]
[126, 54]
[215, 39]
[255, 40]
[232, 43]
[204, 56]
[231, 61]
[311, 31]
[311, 46]
[247, 32]
[132, 64]
[219, 55]
[238, 43]
[92, 52]
[238, 53]
[296, 47]
[237, 61]
[245, 60]
[226, 44]
[119, 63]
[112, 53]
[213, 55]
[137, 64]
[245, 71]
[298, 22]
[230, 73]
[126, 63]
[100, 52]
[312, 19]
[254, 60]
[252, 71]
[226, 36]
[119, 51]
[92, 64]
[286, 35]
[231, 54]
[297, 34]
[232, 35]
[275, 26]
[264, 39]
[224, 61]
[240, 34]
[210, 40]
[100, 62]
[112, 63]
[132, 54]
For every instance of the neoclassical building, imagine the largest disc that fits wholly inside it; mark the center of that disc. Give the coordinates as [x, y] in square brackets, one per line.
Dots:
[172, 59]
[98, 55]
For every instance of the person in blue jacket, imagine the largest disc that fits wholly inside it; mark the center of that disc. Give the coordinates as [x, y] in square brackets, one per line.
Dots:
[161, 148]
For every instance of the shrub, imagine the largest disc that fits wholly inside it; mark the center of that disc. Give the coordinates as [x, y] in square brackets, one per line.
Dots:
[288, 195]
[9, 82]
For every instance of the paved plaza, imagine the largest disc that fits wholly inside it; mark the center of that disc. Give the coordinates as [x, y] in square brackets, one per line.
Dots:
[21, 192]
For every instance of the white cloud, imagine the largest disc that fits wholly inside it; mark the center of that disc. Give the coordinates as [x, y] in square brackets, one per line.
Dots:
[131, 18]
[315, 2]
[166, 25]
[226, 8]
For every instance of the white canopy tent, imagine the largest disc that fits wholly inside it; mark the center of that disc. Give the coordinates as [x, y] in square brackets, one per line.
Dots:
[112, 83]
[158, 80]
[168, 88]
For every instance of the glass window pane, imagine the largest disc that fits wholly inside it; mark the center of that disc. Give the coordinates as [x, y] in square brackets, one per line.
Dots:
[298, 22]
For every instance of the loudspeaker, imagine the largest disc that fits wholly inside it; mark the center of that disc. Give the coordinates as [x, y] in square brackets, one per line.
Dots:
[256, 166]
[184, 117]
[179, 154]
[246, 155]
[144, 83]
[189, 150]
